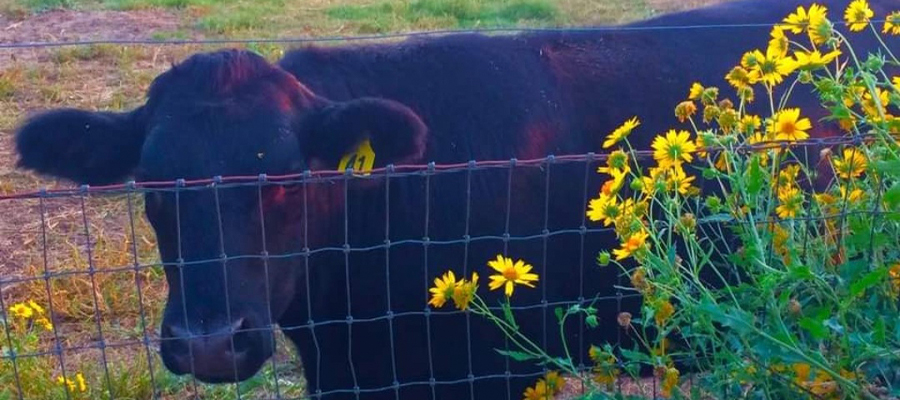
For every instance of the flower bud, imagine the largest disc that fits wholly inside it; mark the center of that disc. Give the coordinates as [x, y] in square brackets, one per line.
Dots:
[603, 258]
[624, 319]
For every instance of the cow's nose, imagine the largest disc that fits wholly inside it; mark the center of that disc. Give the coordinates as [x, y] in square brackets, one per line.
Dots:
[215, 355]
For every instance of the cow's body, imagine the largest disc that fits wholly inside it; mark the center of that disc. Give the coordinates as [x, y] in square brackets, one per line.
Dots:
[355, 304]
[498, 98]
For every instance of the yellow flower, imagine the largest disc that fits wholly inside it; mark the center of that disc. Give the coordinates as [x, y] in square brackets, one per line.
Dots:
[858, 15]
[555, 383]
[791, 201]
[851, 165]
[464, 292]
[778, 44]
[746, 94]
[696, 91]
[621, 132]
[616, 163]
[801, 372]
[673, 148]
[612, 186]
[709, 95]
[670, 381]
[82, 385]
[443, 289]
[44, 322]
[892, 24]
[34, 306]
[872, 109]
[605, 370]
[678, 180]
[728, 120]
[780, 237]
[799, 20]
[635, 242]
[813, 60]
[894, 274]
[710, 113]
[664, 311]
[769, 69]
[77, 384]
[820, 30]
[538, 392]
[787, 177]
[738, 77]
[21, 310]
[896, 80]
[639, 280]
[787, 125]
[854, 196]
[67, 382]
[685, 110]
[510, 274]
[749, 124]
[704, 140]
[604, 208]
[815, 22]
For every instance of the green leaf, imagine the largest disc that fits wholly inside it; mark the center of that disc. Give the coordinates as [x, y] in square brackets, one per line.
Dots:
[754, 177]
[892, 196]
[716, 218]
[635, 357]
[879, 331]
[559, 313]
[871, 279]
[736, 319]
[517, 355]
[592, 321]
[889, 167]
[508, 314]
[815, 327]
[800, 272]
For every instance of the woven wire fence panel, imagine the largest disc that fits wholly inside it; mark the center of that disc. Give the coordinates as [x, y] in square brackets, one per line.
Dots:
[343, 273]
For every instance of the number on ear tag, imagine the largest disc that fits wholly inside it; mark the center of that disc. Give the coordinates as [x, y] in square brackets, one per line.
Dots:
[361, 160]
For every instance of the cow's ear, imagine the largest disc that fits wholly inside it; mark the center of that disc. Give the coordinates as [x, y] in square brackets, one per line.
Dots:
[86, 147]
[395, 133]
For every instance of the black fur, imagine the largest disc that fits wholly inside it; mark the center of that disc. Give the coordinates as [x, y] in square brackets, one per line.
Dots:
[90, 147]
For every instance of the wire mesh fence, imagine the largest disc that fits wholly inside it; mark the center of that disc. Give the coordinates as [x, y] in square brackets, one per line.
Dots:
[356, 300]
[315, 284]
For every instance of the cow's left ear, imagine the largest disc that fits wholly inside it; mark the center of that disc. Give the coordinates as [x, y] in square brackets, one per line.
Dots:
[396, 134]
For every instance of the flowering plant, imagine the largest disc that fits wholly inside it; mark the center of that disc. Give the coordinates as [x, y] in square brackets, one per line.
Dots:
[23, 326]
[779, 277]
[768, 275]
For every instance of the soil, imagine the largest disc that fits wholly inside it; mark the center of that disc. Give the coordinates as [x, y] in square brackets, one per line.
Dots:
[68, 25]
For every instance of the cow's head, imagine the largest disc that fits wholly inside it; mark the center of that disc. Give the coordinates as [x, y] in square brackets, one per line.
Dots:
[220, 114]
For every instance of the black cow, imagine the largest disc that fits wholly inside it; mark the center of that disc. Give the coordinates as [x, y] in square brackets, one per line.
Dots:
[343, 267]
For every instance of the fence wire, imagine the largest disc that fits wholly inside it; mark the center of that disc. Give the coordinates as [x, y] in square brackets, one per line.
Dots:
[390, 175]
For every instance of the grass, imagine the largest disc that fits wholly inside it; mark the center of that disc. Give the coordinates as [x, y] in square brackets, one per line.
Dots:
[382, 17]
[103, 77]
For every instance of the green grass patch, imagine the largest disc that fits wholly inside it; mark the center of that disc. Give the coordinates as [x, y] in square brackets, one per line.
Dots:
[42, 5]
[459, 13]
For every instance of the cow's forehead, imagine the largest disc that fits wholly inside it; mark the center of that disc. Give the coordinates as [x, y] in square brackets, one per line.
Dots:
[222, 113]
[194, 149]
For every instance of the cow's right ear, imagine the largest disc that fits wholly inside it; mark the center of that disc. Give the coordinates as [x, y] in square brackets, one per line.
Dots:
[94, 148]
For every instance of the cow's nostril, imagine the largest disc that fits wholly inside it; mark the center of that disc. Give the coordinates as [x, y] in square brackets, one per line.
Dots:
[239, 325]
[244, 332]
[175, 338]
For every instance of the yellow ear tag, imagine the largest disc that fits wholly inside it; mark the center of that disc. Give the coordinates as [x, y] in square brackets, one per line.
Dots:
[362, 159]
